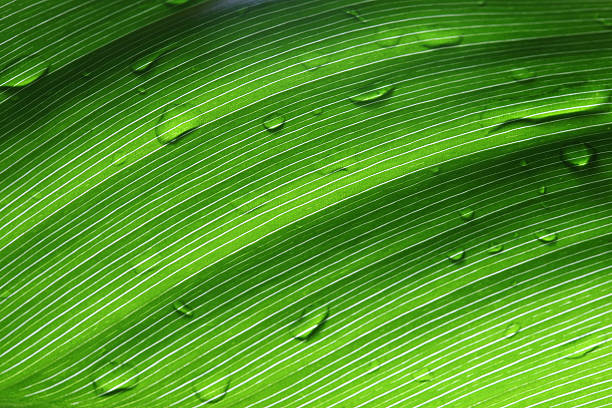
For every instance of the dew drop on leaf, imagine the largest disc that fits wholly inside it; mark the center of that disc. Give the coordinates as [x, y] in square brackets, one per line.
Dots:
[211, 389]
[495, 248]
[511, 330]
[274, 121]
[113, 377]
[522, 74]
[582, 346]
[467, 214]
[524, 163]
[141, 90]
[388, 38]
[437, 38]
[372, 367]
[577, 155]
[423, 375]
[605, 19]
[317, 111]
[176, 122]
[23, 72]
[182, 308]
[5, 294]
[145, 62]
[546, 236]
[177, 2]
[309, 322]
[542, 189]
[356, 15]
[373, 94]
[457, 255]
[313, 60]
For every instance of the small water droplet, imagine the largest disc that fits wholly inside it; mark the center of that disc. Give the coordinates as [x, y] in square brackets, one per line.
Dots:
[86, 74]
[118, 158]
[113, 377]
[546, 236]
[177, 121]
[577, 155]
[423, 375]
[605, 19]
[5, 294]
[467, 214]
[457, 255]
[356, 15]
[372, 367]
[313, 60]
[522, 74]
[388, 38]
[309, 322]
[543, 190]
[23, 72]
[146, 62]
[440, 37]
[482, 2]
[317, 111]
[141, 90]
[373, 94]
[434, 169]
[182, 308]
[495, 248]
[177, 2]
[511, 330]
[524, 163]
[211, 389]
[583, 346]
[274, 121]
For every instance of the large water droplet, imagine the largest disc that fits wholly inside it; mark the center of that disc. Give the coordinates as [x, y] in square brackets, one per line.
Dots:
[182, 308]
[388, 38]
[313, 60]
[457, 255]
[440, 37]
[211, 389]
[423, 375]
[467, 214]
[495, 248]
[274, 121]
[309, 322]
[511, 330]
[583, 346]
[546, 236]
[373, 94]
[176, 122]
[23, 72]
[145, 63]
[577, 155]
[113, 377]
[522, 74]
[356, 15]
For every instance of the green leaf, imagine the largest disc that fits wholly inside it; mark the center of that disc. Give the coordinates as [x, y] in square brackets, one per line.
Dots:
[314, 203]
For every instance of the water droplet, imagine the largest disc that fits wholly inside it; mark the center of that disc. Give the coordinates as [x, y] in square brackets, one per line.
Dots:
[176, 122]
[317, 111]
[482, 2]
[495, 248]
[176, 2]
[373, 94]
[118, 158]
[86, 74]
[313, 60]
[577, 155]
[146, 62]
[5, 294]
[356, 15]
[388, 38]
[113, 377]
[372, 367]
[423, 375]
[583, 346]
[309, 322]
[211, 389]
[467, 214]
[435, 169]
[546, 236]
[141, 90]
[524, 163]
[274, 121]
[522, 74]
[511, 330]
[605, 19]
[440, 37]
[23, 72]
[182, 308]
[543, 190]
[457, 255]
